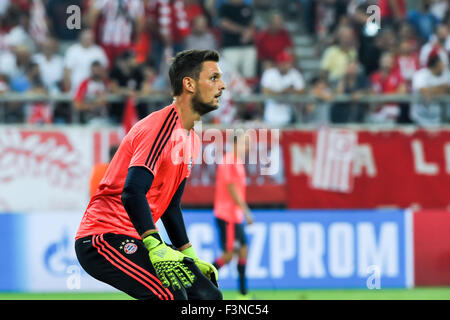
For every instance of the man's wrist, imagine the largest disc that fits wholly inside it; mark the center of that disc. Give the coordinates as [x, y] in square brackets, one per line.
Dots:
[148, 232]
[189, 251]
[185, 246]
[152, 239]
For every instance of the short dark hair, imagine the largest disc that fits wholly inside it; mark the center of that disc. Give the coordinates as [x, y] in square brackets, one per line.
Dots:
[96, 63]
[188, 63]
[433, 60]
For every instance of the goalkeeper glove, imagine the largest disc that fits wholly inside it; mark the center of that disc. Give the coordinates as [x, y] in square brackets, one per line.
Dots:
[206, 268]
[168, 263]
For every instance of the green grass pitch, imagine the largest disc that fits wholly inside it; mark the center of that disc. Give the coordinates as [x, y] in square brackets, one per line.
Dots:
[435, 293]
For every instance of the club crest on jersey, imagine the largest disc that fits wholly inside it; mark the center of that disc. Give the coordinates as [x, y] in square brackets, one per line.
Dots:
[129, 247]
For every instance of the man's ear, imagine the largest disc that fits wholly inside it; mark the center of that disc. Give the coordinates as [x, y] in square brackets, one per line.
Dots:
[189, 84]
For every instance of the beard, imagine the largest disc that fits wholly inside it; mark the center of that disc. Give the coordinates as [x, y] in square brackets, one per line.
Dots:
[201, 107]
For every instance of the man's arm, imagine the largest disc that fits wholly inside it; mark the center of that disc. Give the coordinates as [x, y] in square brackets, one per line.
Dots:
[176, 230]
[174, 222]
[436, 90]
[240, 202]
[231, 26]
[137, 184]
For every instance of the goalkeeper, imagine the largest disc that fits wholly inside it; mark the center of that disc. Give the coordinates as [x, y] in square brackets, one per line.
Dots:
[117, 241]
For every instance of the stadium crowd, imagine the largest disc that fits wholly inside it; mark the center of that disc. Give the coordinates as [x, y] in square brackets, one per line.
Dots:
[123, 47]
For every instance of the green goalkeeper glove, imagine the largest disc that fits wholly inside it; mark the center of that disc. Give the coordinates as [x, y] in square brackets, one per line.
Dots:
[168, 263]
[206, 268]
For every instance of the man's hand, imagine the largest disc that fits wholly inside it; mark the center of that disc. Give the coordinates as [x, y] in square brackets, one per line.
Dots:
[205, 267]
[248, 216]
[168, 263]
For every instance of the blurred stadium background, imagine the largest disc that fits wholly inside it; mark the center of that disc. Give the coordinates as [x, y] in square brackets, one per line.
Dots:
[355, 205]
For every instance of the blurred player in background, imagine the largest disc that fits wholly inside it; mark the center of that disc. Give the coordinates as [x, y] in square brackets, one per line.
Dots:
[117, 241]
[230, 208]
[99, 170]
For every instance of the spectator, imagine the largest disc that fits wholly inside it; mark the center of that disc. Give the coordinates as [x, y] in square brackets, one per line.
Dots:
[126, 79]
[169, 25]
[38, 26]
[154, 82]
[51, 69]
[201, 38]
[4, 86]
[353, 83]
[238, 31]
[280, 80]
[18, 34]
[387, 80]
[15, 61]
[336, 58]
[193, 10]
[318, 112]
[126, 76]
[90, 97]
[406, 32]
[229, 111]
[429, 82]
[439, 8]
[439, 42]
[407, 61]
[116, 22]
[329, 14]
[4, 6]
[369, 37]
[79, 58]
[272, 41]
[385, 40]
[28, 81]
[8, 63]
[51, 65]
[392, 11]
[57, 15]
[423, 21]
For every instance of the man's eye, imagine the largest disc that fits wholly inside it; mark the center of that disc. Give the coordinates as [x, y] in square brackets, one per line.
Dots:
[214, 78]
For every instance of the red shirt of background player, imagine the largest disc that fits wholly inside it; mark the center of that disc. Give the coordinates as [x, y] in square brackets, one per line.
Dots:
[159, 143]
[230, 170]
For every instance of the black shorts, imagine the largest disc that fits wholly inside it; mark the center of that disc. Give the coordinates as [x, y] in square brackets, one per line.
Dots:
[122, 262]
[231, 233]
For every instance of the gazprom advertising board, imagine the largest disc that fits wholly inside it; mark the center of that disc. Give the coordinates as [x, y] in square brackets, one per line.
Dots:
[317, 249]
[287, 249]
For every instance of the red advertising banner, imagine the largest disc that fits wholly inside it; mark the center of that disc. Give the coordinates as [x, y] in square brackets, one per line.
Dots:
[432, 248]
[390, 169]
[50, 167]
[264, 154]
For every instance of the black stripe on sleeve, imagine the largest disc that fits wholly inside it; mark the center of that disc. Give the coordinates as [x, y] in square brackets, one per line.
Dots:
[167, 136]
[159, 133]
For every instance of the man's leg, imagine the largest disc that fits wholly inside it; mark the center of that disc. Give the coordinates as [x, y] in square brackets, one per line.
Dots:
[241, 266]
[242, 258]
[122, 262]
[226, 234]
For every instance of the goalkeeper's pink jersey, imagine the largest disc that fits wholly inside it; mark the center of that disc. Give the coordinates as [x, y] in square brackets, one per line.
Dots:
[158, 143]
[230, 170]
